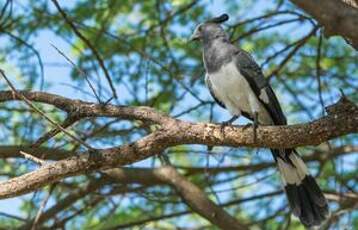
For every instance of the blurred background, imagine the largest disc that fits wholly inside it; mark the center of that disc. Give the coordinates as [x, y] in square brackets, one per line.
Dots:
[143, 47]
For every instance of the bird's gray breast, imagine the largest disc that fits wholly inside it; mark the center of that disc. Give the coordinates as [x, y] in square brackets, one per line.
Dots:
[231, 88]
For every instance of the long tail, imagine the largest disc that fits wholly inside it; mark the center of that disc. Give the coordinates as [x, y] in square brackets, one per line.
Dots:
[304, 195]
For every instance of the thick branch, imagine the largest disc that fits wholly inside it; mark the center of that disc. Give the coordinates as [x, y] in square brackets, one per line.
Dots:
[197, 200]
[12, 151]
[342, 119]
[85, 162]
[193, 196]
[337, 17]
[83, 109]
[67, 201]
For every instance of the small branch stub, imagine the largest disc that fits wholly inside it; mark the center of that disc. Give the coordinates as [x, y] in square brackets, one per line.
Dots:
[33, 158]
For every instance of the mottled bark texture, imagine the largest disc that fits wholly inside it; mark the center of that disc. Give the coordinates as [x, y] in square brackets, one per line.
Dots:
[341, 119]
[338, 17]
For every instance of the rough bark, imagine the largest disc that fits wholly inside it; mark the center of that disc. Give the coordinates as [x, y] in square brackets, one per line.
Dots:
[342, 119]
[336, 16]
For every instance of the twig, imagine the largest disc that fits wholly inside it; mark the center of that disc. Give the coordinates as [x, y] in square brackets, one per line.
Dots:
[272, 14]
[78, 70]
[255, 30]
[171, 16]
[89, 44]
[42, 206]
[12, 216]
[177, 78]
[34, 107]
[37, 54]
[290, 54]
[33, 158]
[284, 49]
[89, 109]
[176, 214]
[69, 121]
[318, 72]
[198, 201]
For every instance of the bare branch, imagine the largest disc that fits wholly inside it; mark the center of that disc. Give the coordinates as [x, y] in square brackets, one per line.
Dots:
[342, 119]
[87, 109]
[34, 107]
[33, 158]
[190, 193]
[12, 151]
[42, 207]
[69, 121]
[80, 71]
[197, 200]
[300, 43]
[67, 202]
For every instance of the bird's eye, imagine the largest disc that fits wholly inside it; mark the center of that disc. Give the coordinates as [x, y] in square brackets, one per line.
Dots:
[200, 28]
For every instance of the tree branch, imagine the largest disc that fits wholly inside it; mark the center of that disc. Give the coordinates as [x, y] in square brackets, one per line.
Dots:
[342, 119]
[12, 151]
[197, 200]
[87, 109]
[190, 193]
[337, 17]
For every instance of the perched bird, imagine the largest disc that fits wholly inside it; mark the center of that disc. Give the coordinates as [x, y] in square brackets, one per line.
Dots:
[237, 83]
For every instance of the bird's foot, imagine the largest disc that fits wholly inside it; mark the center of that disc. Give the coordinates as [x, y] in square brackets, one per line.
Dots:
[222, 126]
[254, 126]
[255, 132]
[230, 121]
[248, 125]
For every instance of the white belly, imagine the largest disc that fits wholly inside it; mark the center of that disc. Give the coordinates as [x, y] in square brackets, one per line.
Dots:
[231, 88]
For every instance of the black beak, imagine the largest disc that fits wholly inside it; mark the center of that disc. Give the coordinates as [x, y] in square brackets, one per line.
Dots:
[194, 37]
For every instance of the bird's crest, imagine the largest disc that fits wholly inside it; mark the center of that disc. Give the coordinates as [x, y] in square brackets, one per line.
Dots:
[220, 19]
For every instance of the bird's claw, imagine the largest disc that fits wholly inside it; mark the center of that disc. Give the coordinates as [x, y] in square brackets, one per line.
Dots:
[255, 132]
[248, 125]
[230, 121]
[255, 125]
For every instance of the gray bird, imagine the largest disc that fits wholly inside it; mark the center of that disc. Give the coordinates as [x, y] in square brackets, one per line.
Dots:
[237, 83]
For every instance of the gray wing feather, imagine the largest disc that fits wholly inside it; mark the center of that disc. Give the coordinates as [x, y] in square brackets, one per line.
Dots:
[251, 70]
[253, 74]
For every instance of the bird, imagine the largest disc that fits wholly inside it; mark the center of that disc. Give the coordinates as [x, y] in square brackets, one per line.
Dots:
[236, 83]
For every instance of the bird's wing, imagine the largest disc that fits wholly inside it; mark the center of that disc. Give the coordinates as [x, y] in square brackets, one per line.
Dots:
[211, 90]
[253, 74]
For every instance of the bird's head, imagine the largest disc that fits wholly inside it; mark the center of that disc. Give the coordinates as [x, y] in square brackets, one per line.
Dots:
[210, 29]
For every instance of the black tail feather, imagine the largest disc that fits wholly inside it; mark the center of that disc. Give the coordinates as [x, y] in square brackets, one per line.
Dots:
[311, 185]
[293, 199]
[305, 198]
[307, 216]
[308, 205]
